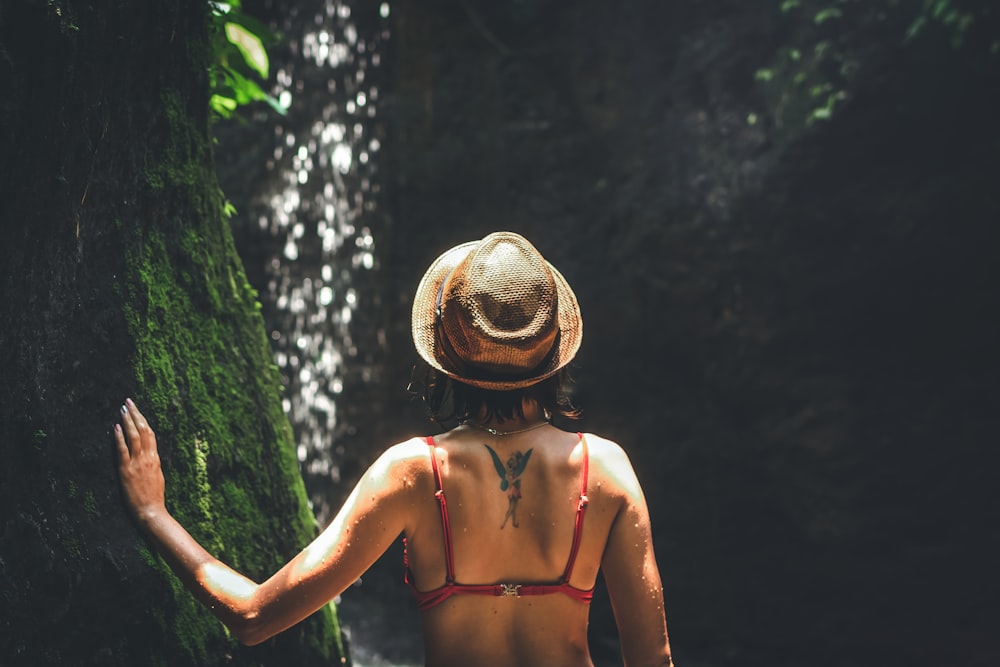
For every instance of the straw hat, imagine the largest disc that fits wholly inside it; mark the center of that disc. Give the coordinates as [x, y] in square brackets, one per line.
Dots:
[494, 314]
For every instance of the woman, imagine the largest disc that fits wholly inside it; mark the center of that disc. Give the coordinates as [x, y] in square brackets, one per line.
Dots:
[507, 519]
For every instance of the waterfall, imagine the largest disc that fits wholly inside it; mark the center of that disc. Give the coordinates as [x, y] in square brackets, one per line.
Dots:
[312, 216]
[307, 190]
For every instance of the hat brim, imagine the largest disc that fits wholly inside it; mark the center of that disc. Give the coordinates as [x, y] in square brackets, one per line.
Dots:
[424, 319]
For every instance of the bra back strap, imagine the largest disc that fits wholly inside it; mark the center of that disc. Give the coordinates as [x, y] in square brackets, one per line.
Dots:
[449, 557]
[581, 510]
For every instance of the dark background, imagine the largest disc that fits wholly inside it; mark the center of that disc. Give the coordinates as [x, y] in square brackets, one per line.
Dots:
[790, 318]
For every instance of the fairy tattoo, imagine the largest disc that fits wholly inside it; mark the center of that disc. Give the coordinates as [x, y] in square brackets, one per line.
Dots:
[510, 481]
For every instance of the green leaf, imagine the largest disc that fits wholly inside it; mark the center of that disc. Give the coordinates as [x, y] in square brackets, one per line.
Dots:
[789, 5]
[239, 49]
[243, 89]
[822, 113]
[224, 106]
[276, 104]
[253, 26]
[825, 15]
[915, 28]
[940, 7]
[764, 75]
[250, 47]
[222, 8]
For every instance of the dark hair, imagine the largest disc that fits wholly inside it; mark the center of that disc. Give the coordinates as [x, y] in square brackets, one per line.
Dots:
[449, 400]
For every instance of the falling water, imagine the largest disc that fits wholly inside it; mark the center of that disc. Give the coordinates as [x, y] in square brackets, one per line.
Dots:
[316, 209]
[307, 188]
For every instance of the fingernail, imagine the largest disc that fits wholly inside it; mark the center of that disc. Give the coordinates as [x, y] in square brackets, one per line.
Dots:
[124, 409]
[118, 428]
[130, 403]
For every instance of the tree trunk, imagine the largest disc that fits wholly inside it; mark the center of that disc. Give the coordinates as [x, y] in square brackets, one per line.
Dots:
[121, 279]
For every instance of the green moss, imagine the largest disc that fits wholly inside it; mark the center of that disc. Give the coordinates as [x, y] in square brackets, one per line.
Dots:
[179, 164]
[70, 546]
[147, 556]
[194, 628]
[90, 504]
[209, 387]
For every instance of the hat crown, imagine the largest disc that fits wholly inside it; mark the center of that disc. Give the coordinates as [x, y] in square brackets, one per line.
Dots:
[494, 314]
[498, 308]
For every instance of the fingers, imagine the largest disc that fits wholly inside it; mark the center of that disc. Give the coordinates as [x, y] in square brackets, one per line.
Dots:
[140, 421]
[139, 437]
[121, 445]
[131, 432]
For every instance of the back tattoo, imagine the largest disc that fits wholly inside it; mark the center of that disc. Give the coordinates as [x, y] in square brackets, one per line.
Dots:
[510, 481]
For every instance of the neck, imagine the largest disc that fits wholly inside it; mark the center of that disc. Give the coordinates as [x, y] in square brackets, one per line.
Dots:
[532, 416]
[531, 412]
[498, 432]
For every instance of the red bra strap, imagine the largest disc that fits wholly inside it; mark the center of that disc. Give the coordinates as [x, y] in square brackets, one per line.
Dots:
[449, 558]
[581, 509]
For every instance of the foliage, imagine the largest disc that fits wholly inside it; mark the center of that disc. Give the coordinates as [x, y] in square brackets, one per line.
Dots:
[240, 60]
[947, 13]
[823, 46]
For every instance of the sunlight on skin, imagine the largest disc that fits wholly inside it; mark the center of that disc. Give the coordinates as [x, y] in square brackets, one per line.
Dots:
[316, 553]
[226, 583]
[326, 543]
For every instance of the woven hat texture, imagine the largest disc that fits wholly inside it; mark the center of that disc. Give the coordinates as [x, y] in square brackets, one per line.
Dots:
[494, 314]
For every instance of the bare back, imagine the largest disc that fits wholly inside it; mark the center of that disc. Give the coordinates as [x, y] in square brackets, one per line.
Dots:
[515, 528]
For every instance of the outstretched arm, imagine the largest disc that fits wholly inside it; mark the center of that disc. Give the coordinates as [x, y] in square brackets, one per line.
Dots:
[631, 574]
[372, 517]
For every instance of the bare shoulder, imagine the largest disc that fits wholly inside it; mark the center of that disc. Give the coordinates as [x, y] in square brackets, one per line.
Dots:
[405, 453]
[610, 464]
[406, 462]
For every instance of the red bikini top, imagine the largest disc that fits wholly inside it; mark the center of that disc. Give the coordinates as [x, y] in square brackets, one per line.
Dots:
[432, 598]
